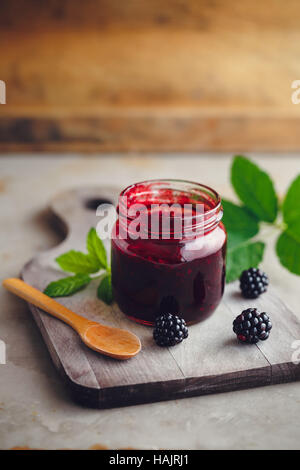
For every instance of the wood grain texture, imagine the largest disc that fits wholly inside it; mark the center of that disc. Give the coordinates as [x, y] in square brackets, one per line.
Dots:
[279, 357]
[144, 130]
[210, 361]
[178, 75]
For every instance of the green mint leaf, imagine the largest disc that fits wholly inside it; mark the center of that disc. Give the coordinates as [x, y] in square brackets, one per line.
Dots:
[288, 243]
[77, 262]
[291, 204]
[254, 188]
[240, 223]
[96, 248]
[288, 248]
[67, 286]
[104, 291]
[243, 257]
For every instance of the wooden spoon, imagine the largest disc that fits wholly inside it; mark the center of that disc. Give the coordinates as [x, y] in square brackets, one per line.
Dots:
[107, 340]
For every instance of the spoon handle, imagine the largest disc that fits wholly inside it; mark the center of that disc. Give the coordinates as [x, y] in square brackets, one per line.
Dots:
[49, 305]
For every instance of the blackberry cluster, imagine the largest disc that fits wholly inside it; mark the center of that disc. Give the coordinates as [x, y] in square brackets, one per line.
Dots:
[252, 326]
[169, 330]
[253, 282]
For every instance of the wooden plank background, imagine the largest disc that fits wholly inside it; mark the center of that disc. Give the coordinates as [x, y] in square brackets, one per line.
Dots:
[106, 75]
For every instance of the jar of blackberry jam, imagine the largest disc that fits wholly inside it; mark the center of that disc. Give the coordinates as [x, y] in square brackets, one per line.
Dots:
[176, 266]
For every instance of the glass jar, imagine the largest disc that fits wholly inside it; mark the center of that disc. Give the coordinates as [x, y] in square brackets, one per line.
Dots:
[180, 270]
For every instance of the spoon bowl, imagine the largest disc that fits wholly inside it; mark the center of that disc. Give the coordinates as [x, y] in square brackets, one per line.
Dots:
[113, 342]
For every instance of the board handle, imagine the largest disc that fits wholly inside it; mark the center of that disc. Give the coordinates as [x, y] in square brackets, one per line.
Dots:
[49, 305]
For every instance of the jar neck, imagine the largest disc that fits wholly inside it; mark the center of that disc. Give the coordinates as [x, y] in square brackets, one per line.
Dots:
[168, 210]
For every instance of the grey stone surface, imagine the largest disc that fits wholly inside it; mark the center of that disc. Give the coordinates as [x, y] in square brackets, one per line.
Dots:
[35, 409]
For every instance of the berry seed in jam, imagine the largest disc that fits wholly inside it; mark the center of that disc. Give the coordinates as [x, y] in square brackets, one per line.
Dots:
[186, 274]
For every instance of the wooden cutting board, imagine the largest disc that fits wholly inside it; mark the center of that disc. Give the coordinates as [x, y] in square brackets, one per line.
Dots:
[210, 361]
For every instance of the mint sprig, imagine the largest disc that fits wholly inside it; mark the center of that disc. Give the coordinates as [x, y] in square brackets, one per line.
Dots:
[241, 224]
[77, 262]
[67, 285]
[288, 249]
[104, 291]
[255, 189]
[96, 248]
[243, 257]
[291, 203]
[82, 265]
[288, 243]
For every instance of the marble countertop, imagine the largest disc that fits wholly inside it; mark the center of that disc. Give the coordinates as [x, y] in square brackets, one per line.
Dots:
[35, 409]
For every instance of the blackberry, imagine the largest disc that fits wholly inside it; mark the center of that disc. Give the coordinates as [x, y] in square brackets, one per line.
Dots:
[252, 326]
[253, 282]
[169, 330]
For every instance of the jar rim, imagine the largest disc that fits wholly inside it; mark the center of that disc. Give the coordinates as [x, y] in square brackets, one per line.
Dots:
[207, 214]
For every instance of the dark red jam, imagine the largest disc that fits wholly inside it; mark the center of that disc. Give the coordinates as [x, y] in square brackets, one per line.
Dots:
[174, 273]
